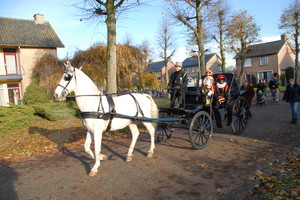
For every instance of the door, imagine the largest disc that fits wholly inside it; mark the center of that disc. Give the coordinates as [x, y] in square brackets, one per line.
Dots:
[13, 92]
[10, 61]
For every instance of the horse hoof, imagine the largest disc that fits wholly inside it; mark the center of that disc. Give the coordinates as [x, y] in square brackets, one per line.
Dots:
[129, 158]
[92, 173]
[150, 155]
[103, 157]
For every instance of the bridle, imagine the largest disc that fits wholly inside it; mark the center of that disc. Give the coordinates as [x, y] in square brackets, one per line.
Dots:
[67, 77]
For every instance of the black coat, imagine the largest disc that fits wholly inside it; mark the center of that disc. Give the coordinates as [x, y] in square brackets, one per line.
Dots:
[292, 94]
[273, 84]
[178, 78]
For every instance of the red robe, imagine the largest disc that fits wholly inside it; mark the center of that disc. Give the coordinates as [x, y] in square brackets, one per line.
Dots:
[249, 94]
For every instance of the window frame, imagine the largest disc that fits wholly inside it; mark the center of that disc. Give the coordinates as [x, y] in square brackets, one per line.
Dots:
[5, 64]
[266, 60]
[248, 62]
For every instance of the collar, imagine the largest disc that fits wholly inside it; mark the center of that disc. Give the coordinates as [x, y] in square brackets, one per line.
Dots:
[221, 85]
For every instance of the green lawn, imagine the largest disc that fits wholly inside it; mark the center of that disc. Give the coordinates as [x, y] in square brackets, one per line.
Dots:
[281, 88]
[163, 102]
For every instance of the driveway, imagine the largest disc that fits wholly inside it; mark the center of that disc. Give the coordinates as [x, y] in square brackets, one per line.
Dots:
[220, 171]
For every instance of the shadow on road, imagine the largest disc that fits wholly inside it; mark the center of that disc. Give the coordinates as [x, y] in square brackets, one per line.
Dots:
[7, 178]
[62, 136]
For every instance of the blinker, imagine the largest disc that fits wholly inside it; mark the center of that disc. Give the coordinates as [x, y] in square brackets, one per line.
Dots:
[67, 77]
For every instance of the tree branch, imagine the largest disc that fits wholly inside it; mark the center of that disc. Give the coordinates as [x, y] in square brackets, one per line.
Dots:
[101, 3]
[119, 4]
[186, 23]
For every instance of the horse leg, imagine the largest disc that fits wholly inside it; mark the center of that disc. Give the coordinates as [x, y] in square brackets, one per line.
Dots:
[87, 144]
[97, 142]
[151, 129]
[87, 147]
[135, 133]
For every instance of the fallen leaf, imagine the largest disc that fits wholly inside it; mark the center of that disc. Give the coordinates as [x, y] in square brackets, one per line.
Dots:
[249, 194]
[280, 192]
[220, 191]
[270, 185]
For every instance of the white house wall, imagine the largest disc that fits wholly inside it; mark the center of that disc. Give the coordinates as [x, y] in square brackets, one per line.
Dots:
[29, 57]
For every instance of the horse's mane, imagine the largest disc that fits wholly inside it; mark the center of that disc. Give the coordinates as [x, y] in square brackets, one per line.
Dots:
[88, 81]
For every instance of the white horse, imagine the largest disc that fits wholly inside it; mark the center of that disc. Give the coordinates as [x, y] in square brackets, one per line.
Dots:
[89, 98]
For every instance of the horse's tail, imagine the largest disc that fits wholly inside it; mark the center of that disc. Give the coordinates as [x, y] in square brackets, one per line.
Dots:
[154, 110]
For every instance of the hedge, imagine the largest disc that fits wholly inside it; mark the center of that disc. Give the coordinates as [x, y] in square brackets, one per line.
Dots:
[55, 111]
[15, 117]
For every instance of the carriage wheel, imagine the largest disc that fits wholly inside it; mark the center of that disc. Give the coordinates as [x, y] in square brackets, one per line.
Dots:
[163, 133]
[240, 115]
[159, 133]
[200, 131]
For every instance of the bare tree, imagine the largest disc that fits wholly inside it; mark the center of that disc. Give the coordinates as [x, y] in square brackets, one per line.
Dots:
[128, 40]
[109, 10]
[290, 21]
[147, 51]
[193, 14]
[242, 31]
[166, 41]
[220, 22]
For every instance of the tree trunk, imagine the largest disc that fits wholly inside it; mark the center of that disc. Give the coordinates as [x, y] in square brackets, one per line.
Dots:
[200, 38]
[166, 64]
[111, 54]
[242, 57]
[297, 70]
[223, 58]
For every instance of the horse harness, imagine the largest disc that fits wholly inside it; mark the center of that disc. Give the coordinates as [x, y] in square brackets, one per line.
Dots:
[111, 114]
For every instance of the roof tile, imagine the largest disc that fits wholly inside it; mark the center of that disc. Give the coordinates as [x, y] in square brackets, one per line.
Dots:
[19, 32]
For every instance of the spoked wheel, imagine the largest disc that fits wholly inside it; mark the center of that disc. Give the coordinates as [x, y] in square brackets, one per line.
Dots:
[200, 131]
[163, 133]
[240, 115]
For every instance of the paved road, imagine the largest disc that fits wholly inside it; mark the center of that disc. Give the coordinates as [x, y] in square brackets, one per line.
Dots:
[220, 171]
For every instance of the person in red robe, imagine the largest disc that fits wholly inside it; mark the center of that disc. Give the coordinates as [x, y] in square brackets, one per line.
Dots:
[248, 92]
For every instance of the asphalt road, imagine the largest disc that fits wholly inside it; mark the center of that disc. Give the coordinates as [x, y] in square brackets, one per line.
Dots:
[220, 171]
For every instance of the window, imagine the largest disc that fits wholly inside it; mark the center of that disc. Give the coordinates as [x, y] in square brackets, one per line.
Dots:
[190, 69]
[265, 75]
[264, 60]
[2, 98]
[219, 68]
[158, 75]
[13, 92]
[10, 60]
[248, 62]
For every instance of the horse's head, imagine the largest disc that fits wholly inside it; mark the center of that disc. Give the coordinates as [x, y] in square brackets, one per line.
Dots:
[67, 83]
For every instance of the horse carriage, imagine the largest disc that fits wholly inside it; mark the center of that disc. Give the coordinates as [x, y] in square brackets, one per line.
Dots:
[198, 117]
[101, 113]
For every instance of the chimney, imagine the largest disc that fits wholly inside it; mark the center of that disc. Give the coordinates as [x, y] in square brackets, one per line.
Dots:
[283, 37]
[39, 19]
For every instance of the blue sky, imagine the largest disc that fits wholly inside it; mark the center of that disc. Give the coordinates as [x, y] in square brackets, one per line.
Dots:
[141, 23]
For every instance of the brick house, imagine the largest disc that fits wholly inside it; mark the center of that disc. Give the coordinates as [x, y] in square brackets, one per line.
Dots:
[262, 60]
[22, 43]
[158, 68]
[190, 65]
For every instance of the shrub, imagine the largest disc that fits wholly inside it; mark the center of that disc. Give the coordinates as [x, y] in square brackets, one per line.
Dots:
[54, 111]
[254, 81]
[289, 73]
[282, 79]
[15, 117]
[35, 93]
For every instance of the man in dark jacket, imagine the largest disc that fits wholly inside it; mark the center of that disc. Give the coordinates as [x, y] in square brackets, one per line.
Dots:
[177, 86]
[273, 85]
[292, 96]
